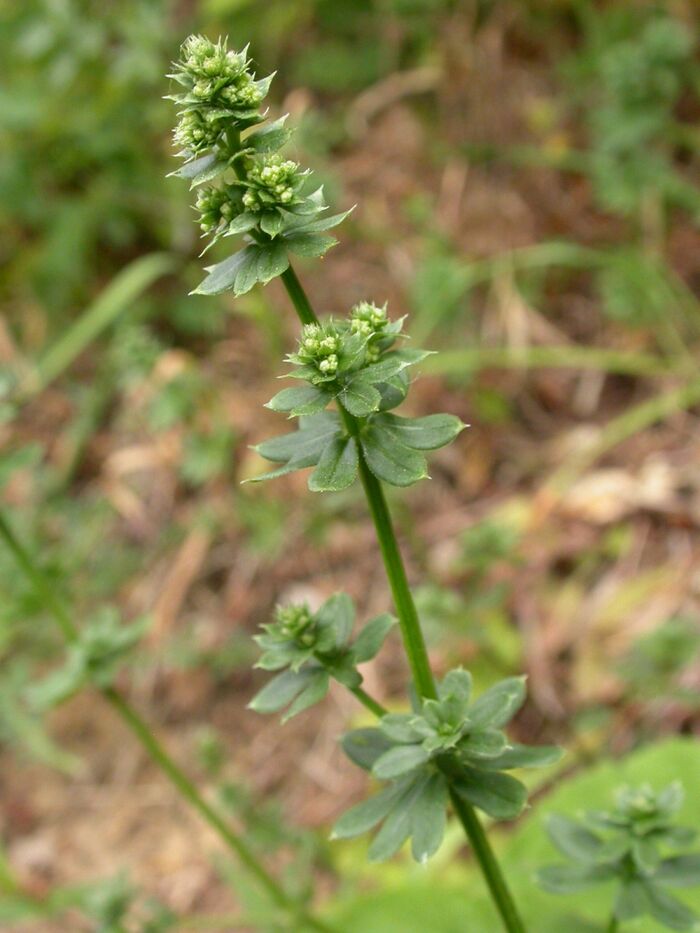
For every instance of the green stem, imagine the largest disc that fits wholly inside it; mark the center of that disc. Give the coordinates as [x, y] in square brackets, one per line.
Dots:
[613, 926]
[150, 743]
[489, 866]
[412, 634]
[369, 702]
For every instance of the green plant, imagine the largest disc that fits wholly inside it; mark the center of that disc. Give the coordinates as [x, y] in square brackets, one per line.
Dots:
[629, 845]
[448, 749]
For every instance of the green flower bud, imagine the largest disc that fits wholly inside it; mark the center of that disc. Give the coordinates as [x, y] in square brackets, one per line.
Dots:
[215, 207]
[273, 182]
[196, 134]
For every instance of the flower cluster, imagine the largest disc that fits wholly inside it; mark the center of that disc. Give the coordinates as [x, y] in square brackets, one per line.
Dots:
[319, 347]
[271, 181]
[217, 208]
[626, 844]
[314, 647]
[220, 92]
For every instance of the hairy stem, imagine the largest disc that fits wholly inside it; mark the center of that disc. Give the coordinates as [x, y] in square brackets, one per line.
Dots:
[412, 634]
[153, 747]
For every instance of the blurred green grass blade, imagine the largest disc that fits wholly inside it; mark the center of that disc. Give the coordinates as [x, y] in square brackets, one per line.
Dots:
[466, 362]
[116, 298]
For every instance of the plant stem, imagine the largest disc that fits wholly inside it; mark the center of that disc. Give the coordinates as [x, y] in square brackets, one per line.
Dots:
[412, 634]
[489, 866]
[368, 702]
[150, 743]
[613, 926]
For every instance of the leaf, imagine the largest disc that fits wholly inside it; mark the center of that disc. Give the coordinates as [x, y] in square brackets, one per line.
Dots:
[485, 744]
[280, 691]
[242, 223]
[456, 683]
[399, 760]
[680, 871]
[645, 854]
[498, 704]
[192, 169]
[337, 466]
[364, 746]
[338, 614]
[398, 727]
[362, 817]
[499, 795]
[367, 644]
[426, 433]
[631, 900]
[360, 398]
[669, 910]
[304, 445]
[429, 818]
[314, 691]
[571, 839]
[397, 826]
[309, 244]
[525, 756]
[240, 272]
[321, 224]
[568, 879]
[391, 461]
[271, 223]
[270, 138]
[299, 400]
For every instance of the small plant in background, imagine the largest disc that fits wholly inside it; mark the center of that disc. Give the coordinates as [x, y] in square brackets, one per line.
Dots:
[630, 845]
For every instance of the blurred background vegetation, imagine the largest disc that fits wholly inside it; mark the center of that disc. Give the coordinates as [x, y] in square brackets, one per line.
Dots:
[526, 177]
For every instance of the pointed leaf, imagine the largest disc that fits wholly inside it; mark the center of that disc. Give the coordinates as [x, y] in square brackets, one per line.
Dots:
[498, 704]
[280, 691]
[391, 461]
[314, 691]
[338, 614]
[309, 244]
[573, 840]
[485, 744]
[367, 644]
[429, 818]
[524, 756]
[680, 871]
[270, 138]
[499, 795]
[337, 466]
[631, 900]
[364, 746]
[399, 760]
[569, 879]
[426, 433]
[362, 817]
[223, 275]
[300, 400]
[360, 398]
[321, 224]
[304, 445]
[397, 826]
[669, 910]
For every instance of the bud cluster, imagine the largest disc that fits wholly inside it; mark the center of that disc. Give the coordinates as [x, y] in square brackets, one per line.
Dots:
[271, 182]
[371, 321]
[216, 208]
[216, 77]
[319, 347]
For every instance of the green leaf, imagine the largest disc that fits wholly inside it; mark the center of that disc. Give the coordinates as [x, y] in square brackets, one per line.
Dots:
[338, 614]
[399, 760]
[194, 168]
[300, 400]
[304, 445]
[314, 691]
[525, 756]
[367, 644]
[391, 461]
[360, 398]
[240, 272]
[242, 223]
[429, 818]
[456, 683]
[321, 224]
[337, 467]
[631, 900]
[571, 839]
[399, 727]
[680, 871]
[669, 910]
[568, 879]
[362, 817]
[645, 854]
[426, 433]
[271, 223]
[498, 704]
[499, 795]
[364, 746]
[270, 138]
[280, 691]
[223, 275]
[485, 744]
[397, 825]
[309, 244]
